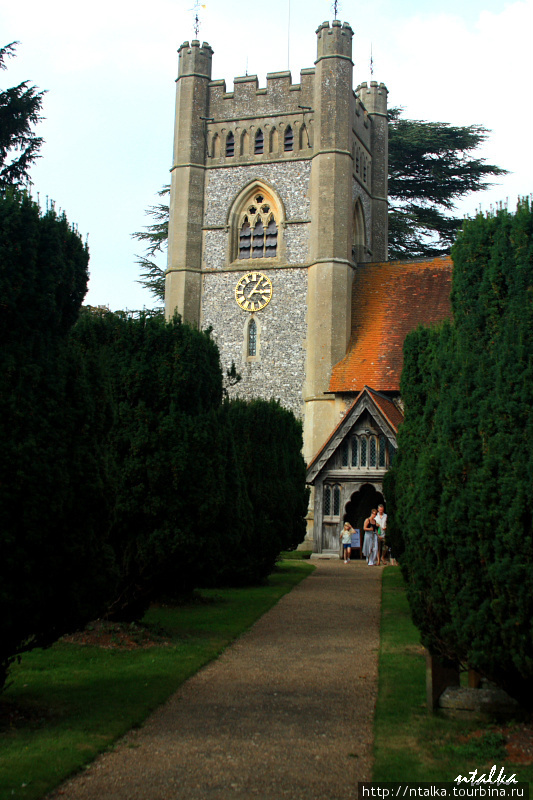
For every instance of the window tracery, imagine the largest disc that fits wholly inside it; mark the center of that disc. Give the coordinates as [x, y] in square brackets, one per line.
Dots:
[258, 231]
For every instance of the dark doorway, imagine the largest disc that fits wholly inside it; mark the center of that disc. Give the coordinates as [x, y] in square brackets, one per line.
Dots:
[360, 505]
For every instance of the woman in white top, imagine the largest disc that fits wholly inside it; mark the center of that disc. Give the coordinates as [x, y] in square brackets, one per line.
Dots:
[381, 519]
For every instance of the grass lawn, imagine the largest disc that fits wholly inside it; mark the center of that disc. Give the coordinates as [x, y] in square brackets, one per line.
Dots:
[411, 744]
[69, 702]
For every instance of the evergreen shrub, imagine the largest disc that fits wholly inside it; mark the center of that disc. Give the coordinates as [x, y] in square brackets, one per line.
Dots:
[54, 561]
[462, 483]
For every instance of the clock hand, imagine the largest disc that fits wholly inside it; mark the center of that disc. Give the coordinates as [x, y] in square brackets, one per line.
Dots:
[255, 289]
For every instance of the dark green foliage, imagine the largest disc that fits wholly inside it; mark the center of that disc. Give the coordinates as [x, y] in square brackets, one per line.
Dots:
[162, 380]
[20, 108]
[463, 478]
[268, 441]
[53, 505]
[430, 168]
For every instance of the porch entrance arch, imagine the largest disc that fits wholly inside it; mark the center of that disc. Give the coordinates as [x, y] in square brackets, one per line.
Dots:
[360, 505]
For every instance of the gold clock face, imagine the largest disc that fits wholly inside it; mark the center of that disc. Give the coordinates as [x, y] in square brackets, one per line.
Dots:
[254, 291]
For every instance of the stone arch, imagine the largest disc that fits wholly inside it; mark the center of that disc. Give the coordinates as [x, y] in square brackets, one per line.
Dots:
[244, 144]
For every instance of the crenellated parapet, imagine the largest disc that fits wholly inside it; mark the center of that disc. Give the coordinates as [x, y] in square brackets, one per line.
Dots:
[248, 100]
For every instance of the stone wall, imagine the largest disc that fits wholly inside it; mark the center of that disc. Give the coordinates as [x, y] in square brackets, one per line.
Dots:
[278, 371]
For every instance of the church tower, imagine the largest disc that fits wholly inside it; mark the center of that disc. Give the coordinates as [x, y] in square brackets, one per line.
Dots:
[278, 193]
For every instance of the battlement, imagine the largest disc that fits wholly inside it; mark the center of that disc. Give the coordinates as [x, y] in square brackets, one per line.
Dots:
[373, 97]
[280, 96]
[195, 59]
[335, 40]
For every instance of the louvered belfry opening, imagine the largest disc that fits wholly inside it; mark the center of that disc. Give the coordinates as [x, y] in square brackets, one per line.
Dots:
[230, 145]
[288, 142]
[259, 142]
[271, 239]
[258, 241]
[258, 232]
[245, 239]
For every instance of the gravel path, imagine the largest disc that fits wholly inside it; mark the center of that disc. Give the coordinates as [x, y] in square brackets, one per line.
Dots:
[285, 712]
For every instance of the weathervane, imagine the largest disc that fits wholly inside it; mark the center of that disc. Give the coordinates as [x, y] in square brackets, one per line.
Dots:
[196, 8]
[336, 9]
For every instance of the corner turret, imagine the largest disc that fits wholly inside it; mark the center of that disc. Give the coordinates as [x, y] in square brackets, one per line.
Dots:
[334, 41]
[373, 97]
[195, 60]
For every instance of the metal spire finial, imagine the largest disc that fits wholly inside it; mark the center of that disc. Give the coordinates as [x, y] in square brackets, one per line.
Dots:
[336, 9]
[196, 8]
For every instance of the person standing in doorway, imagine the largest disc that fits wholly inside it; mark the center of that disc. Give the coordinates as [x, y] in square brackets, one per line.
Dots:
[381, 519]
[370, 545]
[346, 538]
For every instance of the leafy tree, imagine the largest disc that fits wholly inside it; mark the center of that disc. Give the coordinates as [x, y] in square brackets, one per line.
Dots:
[462, 480]
[156, 237]
[20, 108]
[431, 166]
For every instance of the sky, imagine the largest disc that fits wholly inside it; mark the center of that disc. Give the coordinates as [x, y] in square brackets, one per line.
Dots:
[109, 69]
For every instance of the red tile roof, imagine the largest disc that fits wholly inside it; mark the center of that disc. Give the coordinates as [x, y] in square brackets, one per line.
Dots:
[390, 411]
[389, 299]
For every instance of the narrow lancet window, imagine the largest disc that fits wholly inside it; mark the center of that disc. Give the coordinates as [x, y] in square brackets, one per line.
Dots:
[252, 338]
[230, 145]
[259, 142]
[289, 139]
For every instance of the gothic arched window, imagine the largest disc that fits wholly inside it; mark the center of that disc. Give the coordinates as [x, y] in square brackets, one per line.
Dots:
[258, 231]
[259, 142]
